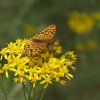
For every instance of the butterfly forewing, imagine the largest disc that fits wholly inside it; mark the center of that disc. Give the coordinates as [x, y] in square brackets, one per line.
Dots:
[46, 34]
[38, 43]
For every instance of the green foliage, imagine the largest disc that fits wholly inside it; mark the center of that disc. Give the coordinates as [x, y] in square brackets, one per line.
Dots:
[17, 17]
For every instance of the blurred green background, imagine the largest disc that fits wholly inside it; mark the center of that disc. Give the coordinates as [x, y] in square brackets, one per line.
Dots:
[78, 29]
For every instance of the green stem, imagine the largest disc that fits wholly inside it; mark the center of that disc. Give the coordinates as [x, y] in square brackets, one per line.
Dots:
[33, 97]
[25, 88]
[34, 93]
[1, 78]
[30, 92]
[3, 90]
[24, 91]
[38, 92]
[41, 98]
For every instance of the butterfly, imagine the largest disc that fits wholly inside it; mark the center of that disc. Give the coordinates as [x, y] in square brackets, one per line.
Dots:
[38, 42]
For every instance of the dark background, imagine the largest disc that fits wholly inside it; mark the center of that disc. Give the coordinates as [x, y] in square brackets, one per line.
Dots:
[23, 18]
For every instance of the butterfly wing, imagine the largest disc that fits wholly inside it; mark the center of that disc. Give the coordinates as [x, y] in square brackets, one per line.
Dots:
[37, 43]
[46, 34]
[33, 48]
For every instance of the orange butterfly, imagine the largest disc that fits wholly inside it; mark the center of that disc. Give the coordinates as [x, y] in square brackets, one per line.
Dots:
[38, 43]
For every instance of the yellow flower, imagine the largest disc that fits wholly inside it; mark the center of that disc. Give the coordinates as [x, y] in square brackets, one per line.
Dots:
[57, 47]
[47, 80]
[1, 71]
[56, 43]
[62, 82]
[44, 68]
[81, 23]
[16, 79]
[88, 45]
[6, 68]
[4, 52]
[71, 56]
[69, 76]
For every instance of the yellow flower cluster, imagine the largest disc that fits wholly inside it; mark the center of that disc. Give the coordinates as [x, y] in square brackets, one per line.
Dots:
[44, 68]
[81, 23]
[89, 45]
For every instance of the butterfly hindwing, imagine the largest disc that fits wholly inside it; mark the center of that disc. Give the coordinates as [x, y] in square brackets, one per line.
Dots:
[33, 48]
